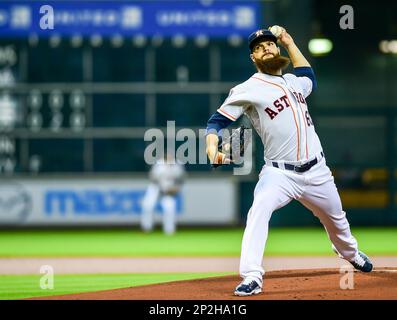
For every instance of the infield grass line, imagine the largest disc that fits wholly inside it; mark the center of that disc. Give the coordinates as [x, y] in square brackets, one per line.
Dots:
[28, 286]
[186, 242]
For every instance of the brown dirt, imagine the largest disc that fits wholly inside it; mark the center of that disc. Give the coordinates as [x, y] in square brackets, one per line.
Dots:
[320, 284]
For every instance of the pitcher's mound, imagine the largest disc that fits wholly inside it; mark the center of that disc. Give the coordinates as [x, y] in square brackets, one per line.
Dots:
[292, 285]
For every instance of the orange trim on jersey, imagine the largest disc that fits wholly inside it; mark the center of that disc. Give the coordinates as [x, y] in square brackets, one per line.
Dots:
[304, 120]
[296, 124]
[226, 114]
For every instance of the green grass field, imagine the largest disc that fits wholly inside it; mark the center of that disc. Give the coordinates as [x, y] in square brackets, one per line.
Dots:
[186, 242]
[26, 286]
[133, 243]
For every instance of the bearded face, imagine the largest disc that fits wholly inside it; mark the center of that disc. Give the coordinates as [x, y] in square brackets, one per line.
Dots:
[267, 58]
[272, 65]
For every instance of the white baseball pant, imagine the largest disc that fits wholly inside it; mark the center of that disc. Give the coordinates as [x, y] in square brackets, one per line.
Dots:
[316, 190]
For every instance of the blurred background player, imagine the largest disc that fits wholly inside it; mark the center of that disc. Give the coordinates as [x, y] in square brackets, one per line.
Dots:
[166, 176]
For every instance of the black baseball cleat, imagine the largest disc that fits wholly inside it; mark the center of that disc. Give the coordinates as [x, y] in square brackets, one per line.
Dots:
[247, 288]
[361, 262]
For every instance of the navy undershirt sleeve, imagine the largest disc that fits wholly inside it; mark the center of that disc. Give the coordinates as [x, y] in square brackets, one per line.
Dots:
[217, 122]
[306, 72]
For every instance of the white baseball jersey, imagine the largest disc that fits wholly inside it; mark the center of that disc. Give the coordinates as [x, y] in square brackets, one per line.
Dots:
[277, 109]
[167, 176]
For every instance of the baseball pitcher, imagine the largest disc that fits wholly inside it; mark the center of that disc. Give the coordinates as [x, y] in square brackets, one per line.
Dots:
[295, 165]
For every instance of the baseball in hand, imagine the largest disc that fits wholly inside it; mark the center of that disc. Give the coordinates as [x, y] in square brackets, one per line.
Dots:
[276, 30]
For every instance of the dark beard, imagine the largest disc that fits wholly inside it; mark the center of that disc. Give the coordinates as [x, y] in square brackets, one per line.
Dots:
[272, 65]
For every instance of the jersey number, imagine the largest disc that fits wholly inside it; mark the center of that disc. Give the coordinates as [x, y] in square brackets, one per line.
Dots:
[308, 119]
